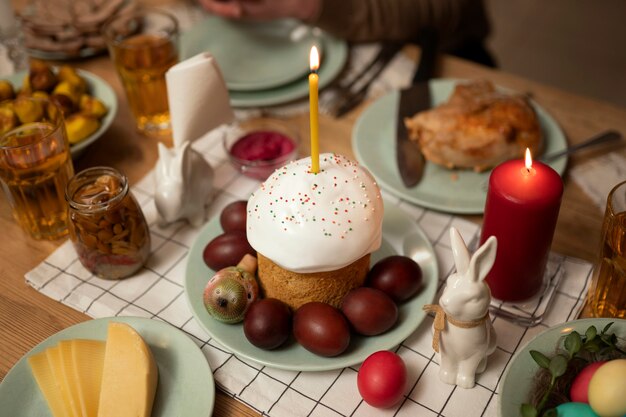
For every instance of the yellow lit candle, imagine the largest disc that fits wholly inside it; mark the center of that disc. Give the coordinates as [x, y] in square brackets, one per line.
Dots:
[314, 60]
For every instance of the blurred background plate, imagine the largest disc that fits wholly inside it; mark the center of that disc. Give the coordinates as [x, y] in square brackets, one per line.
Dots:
[333, 60]
[98, 88]
[519, 376]
[253, 55]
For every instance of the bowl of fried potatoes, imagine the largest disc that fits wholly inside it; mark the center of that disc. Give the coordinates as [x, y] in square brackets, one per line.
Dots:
[88, 103]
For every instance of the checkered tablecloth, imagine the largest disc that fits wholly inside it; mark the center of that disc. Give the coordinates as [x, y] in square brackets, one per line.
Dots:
[157, 292]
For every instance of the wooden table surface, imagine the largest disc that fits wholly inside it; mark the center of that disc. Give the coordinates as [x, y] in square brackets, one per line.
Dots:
[28, 317]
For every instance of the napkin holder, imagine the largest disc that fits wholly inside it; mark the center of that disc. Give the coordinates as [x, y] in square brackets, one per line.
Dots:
[198, 102]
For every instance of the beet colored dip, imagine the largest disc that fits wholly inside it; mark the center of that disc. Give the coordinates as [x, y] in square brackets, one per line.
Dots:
[262, 145]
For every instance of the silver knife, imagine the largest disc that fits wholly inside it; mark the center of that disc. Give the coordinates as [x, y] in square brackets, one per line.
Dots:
[413, 100]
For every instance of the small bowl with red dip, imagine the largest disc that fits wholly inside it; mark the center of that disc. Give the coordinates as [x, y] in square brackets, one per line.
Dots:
[257, 149]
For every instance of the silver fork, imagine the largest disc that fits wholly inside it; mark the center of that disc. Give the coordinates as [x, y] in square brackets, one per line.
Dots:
[342, 97]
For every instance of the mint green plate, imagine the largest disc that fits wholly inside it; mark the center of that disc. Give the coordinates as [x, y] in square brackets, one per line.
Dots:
[518, 377]
[185, 386]
[401, 235]
[253, 55]
[98, 88]
[452, 191]
[260, 64]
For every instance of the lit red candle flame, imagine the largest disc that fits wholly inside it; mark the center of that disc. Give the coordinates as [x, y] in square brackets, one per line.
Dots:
[528, 160]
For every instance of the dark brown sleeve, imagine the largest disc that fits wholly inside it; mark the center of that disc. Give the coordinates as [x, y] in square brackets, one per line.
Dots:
[369, 20]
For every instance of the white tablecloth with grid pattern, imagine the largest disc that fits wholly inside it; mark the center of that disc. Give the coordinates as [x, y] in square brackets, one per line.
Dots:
[157, 292]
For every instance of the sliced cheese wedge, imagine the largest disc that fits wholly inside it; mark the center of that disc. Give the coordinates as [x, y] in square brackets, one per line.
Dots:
[68, 377]
[40, 367]
[58, 370]
[129, 375]
[87, 360]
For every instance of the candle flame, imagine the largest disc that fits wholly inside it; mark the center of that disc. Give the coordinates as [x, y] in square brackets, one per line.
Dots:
[314, 59]
[528, 160]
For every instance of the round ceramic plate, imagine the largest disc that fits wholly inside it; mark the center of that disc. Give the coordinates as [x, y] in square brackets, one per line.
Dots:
[401, 235]
[253, 55]
[335, 54]
[98, 88]
[185, 380]
[518, 377]
[452, 191]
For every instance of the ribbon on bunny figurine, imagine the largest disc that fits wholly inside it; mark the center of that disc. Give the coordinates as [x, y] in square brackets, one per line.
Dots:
[198, 102]
[440, 322]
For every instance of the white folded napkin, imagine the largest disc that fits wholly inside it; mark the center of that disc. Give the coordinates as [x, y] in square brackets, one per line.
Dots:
[198, 98]
[597, 176]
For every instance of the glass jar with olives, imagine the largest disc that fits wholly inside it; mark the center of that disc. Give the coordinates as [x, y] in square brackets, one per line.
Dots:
[106, 225]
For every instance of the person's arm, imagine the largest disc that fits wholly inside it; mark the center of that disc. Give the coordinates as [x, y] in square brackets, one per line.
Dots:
[370, 20]
[304, 10]
[403, 20]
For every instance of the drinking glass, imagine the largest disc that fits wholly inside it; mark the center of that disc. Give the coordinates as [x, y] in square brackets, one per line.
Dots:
[607, 294]
[35, 166]
[143, 46]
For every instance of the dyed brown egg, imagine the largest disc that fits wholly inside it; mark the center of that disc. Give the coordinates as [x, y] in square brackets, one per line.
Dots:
[267, 324]
[369, 311]
[400, 277]
[233, 217]
[321, 329]
[226, 250]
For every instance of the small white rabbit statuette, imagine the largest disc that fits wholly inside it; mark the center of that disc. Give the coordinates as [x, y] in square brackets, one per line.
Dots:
[183, 183]
[463, 333]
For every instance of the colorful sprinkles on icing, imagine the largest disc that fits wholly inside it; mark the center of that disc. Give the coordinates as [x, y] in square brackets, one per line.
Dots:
[336, 171]
[305, 221]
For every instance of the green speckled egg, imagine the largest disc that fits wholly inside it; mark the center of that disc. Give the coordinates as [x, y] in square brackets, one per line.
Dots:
[229, 293]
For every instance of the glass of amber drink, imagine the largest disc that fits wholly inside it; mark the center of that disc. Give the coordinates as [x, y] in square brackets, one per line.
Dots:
[143, 46]
[607, 294]
[35, 166]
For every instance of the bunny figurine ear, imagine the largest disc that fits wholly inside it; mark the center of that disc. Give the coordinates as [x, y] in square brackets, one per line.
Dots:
[483, 260]
[164, 159]
[181, 161]
[459, 251]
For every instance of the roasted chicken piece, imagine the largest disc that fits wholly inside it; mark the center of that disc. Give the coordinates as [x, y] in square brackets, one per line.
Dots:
[478, 127]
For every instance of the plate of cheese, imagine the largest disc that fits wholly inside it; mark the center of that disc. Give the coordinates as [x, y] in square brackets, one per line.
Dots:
[184, 382]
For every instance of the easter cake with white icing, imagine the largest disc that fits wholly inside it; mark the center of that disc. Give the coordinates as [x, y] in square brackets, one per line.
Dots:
[314, 232]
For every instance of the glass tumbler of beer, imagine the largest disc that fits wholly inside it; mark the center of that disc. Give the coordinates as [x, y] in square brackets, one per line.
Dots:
[143, 45]
[35, 166]
[607, 294]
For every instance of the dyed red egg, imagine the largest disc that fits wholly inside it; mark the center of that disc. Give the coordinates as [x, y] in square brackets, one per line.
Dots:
[382, 379]
[267, 324]
[579, 391]
[400, 277]
[226, 250]
[321, 329]
[369, 311]
[233, 217]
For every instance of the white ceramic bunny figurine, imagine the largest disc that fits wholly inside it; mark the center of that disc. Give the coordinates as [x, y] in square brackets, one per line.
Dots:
[183, 184]
[463, 333]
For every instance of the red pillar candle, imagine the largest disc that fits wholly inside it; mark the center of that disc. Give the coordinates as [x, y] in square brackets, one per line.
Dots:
[521, 210]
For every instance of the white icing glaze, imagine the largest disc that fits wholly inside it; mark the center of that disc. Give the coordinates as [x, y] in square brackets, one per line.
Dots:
[308, 222]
